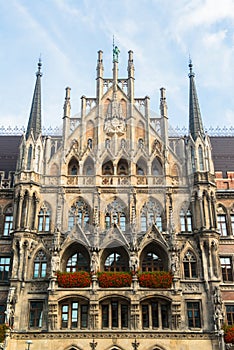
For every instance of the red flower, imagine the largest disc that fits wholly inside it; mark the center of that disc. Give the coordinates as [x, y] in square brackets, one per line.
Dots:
[79, 279]
[229, 334]
[114, 279]
[157, 279]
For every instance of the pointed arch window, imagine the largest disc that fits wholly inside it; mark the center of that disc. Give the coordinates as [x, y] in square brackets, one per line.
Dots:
[186, 221]
[193, 159]
[152, 262]
[77, 262]
[40, 265]
[73, 167]
[190, 265]
[44, 218]
[200, 157]
[8, 221]
[79, 214]
[115, 262]
[29, 158]
[38, 155]
[151, 214]
[115, 214]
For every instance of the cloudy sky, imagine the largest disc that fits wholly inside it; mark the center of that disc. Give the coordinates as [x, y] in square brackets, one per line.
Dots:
[162, 34]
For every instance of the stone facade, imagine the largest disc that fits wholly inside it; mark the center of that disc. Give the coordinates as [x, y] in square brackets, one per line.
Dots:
[116, 194]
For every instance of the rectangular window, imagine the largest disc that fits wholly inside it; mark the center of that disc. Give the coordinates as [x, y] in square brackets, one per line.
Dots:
[36, 312]
[71, 222]
[159, 223]
[182, 223]
[64, 316]
[84, 316]
[189, 223]
[74, 315]
[36, 269]
[105, 316]
[145, 316]
[47, 223]
[2, 313]
[154, 307]
[43, 269]
[222, 224]
[143, 223]
[4, 268]
[232, 223]
[114, 307]
[226, 267]
[124, 316]
[193, 313]
[230, 314]
[40, 223]
[164, 316]
[8, 222]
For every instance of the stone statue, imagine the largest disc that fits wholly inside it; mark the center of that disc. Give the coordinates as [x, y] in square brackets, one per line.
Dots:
[55, 263]
[94, 263]
[133, 262]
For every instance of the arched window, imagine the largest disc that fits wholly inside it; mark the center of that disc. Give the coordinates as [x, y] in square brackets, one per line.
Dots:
[155, 314]
[186, 221]
[152, 262]
[190, 265]
[222, 221]
[88, 168]
[74, 313]
[156, 167]
[79, 214]
[115, 215]
[77, 262]
[193, 159]
[38, 155]
[151, 214]
[115, 261]
[122, 167]
[8, 221]
[40, 265]
[90, 143]
[107, 143]
[44, 218]
[115, 313]
[29, 159]
[73, 167]
[107, 168]
[200, 157]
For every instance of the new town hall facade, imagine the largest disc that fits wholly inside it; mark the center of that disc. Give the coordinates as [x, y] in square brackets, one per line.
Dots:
[116, 234]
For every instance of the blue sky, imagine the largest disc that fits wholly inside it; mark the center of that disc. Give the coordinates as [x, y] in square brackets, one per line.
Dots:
[161, 33]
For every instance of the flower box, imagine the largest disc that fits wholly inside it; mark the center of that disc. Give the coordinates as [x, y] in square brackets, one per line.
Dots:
[229, 334]
[79, 279]
[114, 279]
[156, 279]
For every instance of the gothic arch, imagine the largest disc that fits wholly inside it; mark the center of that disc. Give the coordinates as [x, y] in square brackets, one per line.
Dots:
[54, 169]
[88, 167]
[73, 347]
[75, 257]
[73, 166]
[141, 166]
[114, 258]
[154, 257]
[156, 167]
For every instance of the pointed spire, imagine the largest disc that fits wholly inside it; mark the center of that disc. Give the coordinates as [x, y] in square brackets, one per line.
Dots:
[195, 120]
[34, 123]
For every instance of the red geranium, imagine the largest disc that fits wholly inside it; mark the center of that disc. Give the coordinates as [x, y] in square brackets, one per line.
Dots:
[114, 279]
[229, 334]
[156, 279]
[78, 279]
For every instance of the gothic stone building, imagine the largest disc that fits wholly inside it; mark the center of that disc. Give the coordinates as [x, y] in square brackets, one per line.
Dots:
[116, 234]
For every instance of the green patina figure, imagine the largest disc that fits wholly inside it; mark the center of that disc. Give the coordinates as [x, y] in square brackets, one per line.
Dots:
[116, 52]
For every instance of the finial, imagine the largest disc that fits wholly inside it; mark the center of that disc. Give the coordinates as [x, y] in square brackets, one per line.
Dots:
[191, 74]
[39, 66]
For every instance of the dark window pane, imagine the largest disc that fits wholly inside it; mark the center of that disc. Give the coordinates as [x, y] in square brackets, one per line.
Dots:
[114, 307]
[124, 316]
[145, 316]
[105, 316]
[154, 307]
